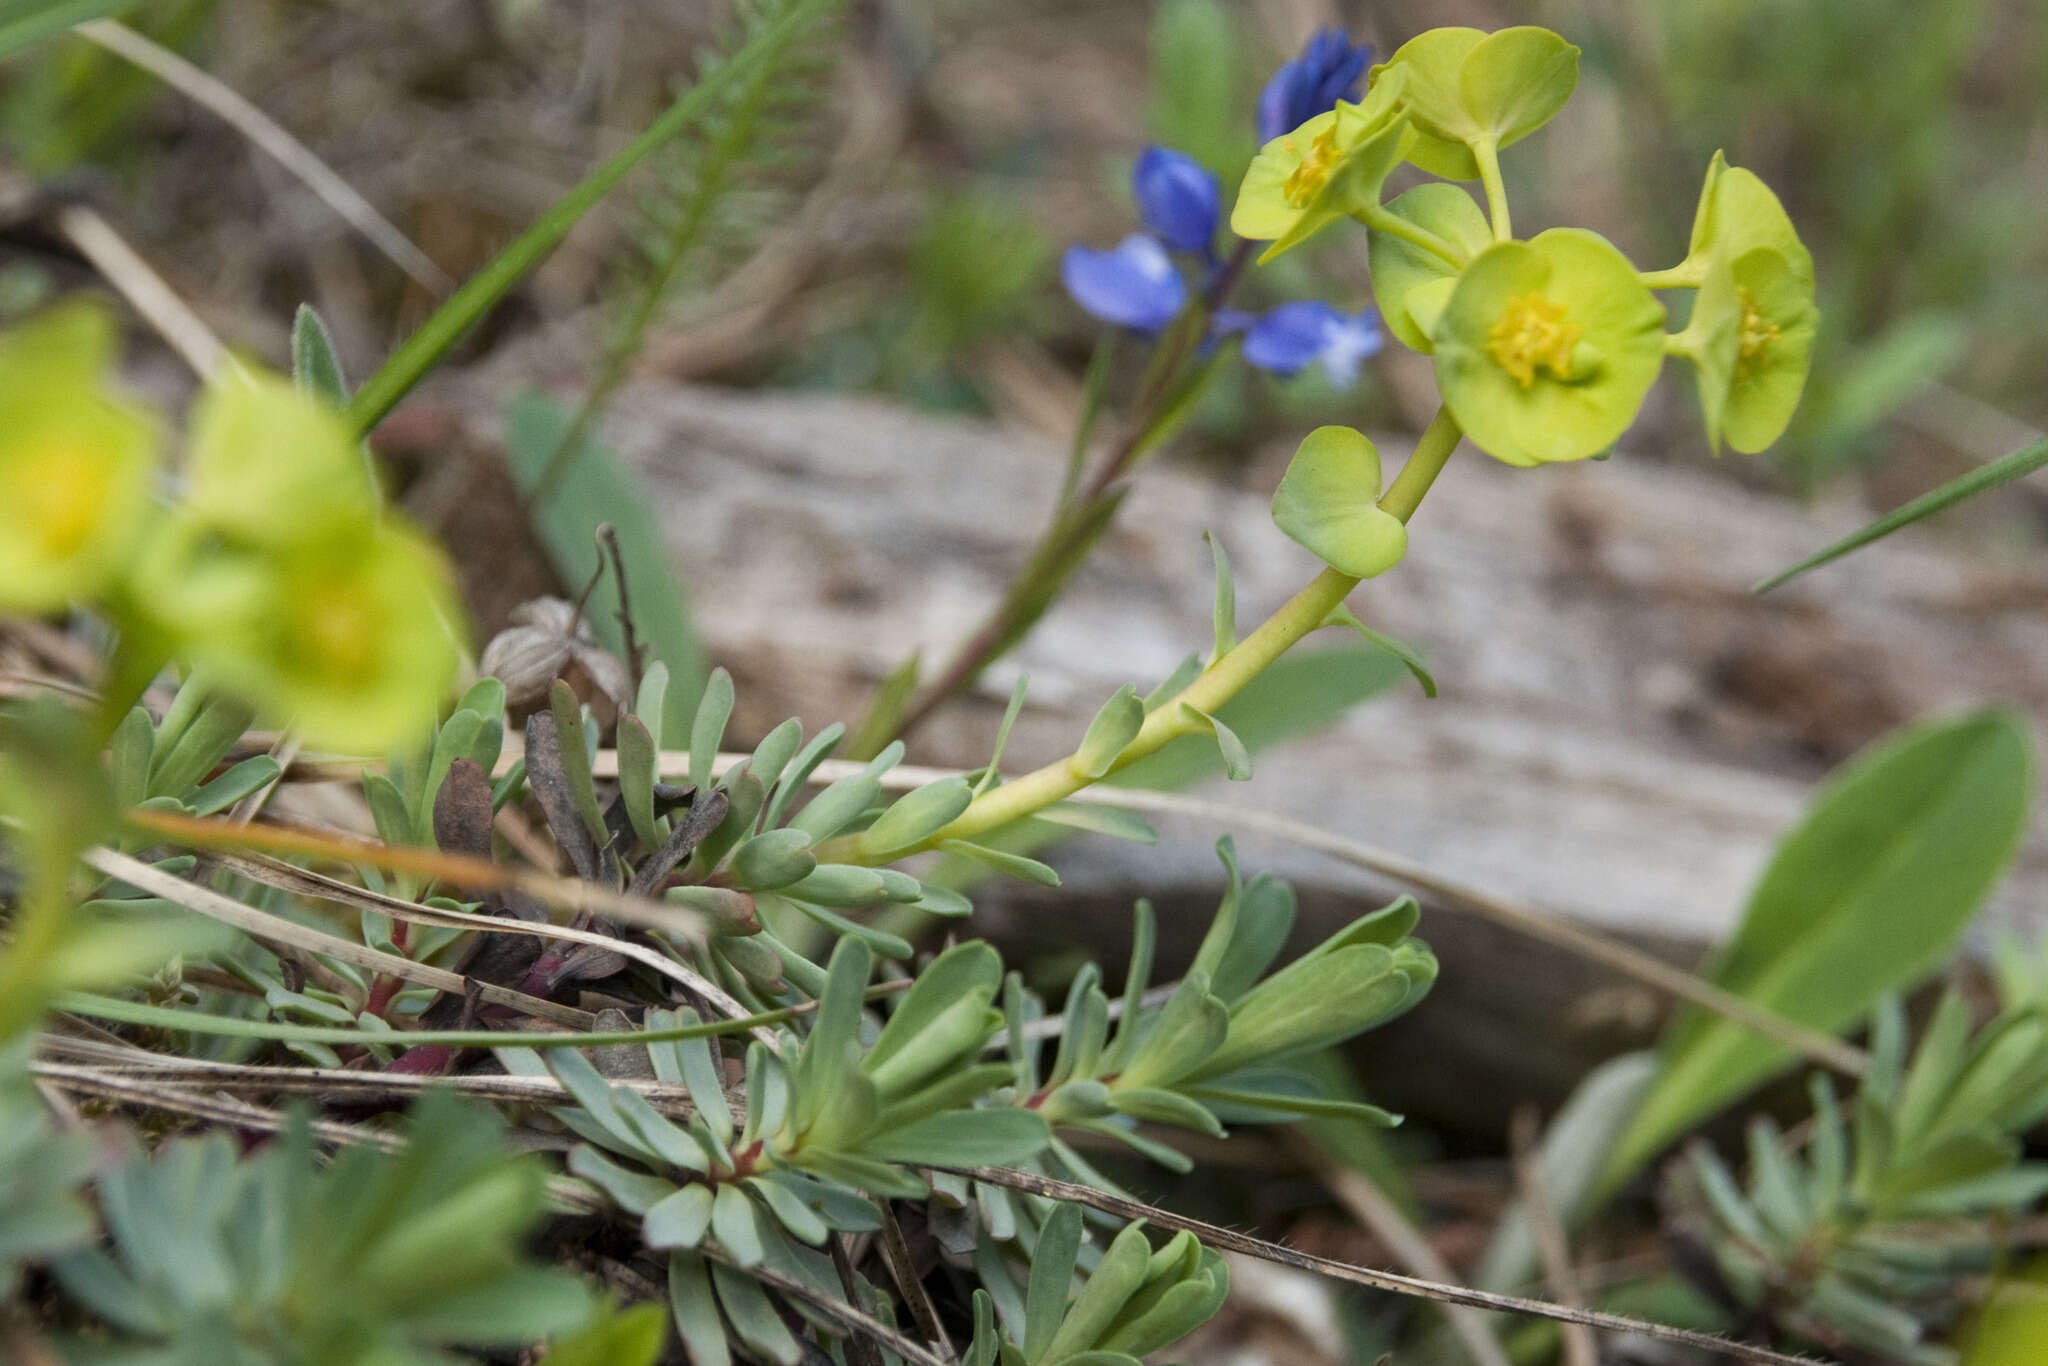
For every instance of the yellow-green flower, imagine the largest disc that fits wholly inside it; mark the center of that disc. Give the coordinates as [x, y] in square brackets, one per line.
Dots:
[75, 462]
[1750, 338]
[1331, 166]
[352, 638]
[1545, 348]
[271, 464]
[1466, 87]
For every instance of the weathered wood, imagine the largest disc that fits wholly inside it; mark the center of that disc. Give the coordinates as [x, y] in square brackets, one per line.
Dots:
[1623, 730]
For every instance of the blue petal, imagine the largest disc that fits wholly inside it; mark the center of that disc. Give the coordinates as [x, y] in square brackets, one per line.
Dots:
[1133, 284]
[1329, 69]
[1286, 339]
[1348, 343]
[1177, 198]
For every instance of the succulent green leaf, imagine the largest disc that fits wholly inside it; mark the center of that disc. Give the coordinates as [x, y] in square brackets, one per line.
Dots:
[999, 1137]
[636, 749]
[707, 729]
[1226, 599]
[1109, 734]
[1192, 1027]
[1052, 1279]
[695, 1309]
[775, 859]
[1117, 1278]
[753, 1317]
[633, 1191]
[1174, 683]
[678, 1220]
[1328, 503]
[916, 816]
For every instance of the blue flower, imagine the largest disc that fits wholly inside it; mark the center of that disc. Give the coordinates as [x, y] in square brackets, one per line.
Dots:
[1287, 338]
[1177, 198]
[1133, 284]
[1329, 69]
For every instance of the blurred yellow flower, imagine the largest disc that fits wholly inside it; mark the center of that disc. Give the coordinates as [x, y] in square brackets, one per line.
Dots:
[75, 462]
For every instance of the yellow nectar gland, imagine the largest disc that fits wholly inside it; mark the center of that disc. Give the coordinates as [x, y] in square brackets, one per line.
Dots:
[1532, 332]
[1317, 163]
[61, 491]
[1756, 334]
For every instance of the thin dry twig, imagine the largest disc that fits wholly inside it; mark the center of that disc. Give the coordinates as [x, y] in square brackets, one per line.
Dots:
[1232, 1241]
[267, 136]
[839, 1311]
[1581, 1348]
[123, 268]
[276, 929]
[287, 877]
[1366, 1203]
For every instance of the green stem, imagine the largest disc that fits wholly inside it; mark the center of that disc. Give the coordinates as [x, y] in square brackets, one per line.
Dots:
[1378, 218]
[1432, 451]
[1487, 154]
[1181, 714]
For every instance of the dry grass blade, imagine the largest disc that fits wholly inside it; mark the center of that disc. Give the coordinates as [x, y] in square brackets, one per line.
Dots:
[1581, 1348]
[267, 136]
[157, 1095]
[289, 877]
[1364, 1202]
[566, 894]
[145, 290]
[1230, 1240]
[331, 1083]
[277, 930]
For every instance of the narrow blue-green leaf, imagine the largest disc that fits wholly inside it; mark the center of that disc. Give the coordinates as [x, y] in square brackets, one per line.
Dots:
[482, 291]
[995, 759]
[2001, 471]
[707, 729]
[1113, 821]
[1015, 865]
[316, 369]
[1237, 760]
[696, 1310]
[1399, 649]
[1226, 599]
[1865, 896]
[916, 815]
[1110, 733]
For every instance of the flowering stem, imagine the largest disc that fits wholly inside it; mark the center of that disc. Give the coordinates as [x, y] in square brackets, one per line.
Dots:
[1487, 154]
[1379, 218]
[1181, 714]
[1072, 528]
[1427, 461]
[1687, 274]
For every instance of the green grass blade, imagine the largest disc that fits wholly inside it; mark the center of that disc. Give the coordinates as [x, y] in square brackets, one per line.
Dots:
[481, 292]
[2001, 471]
[26, 22]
